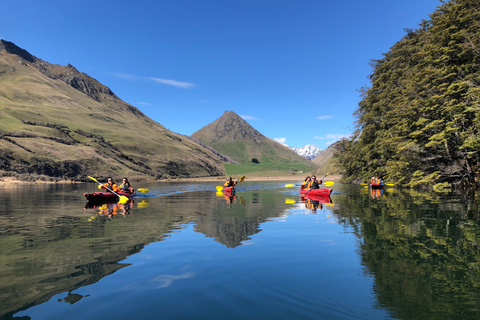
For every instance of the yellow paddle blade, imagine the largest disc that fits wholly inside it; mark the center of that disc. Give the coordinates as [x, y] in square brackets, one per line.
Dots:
[143, 190]
[329, 183]
[289, 185]
[363, 184]
[219, 188]
[219, 193]
[93, 179]
[242, 179]
[389, 184]
[289, 201]
[390, 190]
[123, 199]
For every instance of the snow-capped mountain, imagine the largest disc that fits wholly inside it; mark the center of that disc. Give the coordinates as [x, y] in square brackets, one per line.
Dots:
[308, 151]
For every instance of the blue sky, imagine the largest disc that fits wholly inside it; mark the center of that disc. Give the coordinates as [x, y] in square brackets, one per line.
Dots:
[292, 69]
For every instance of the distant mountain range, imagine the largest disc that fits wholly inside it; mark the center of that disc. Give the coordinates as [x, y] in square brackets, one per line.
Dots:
[308, 151]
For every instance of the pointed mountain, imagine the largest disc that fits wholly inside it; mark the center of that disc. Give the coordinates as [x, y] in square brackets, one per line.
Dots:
[59, 122]
[234, 137]
[326, 161]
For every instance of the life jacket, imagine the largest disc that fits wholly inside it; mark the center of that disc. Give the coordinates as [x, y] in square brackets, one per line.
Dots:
[124, 187]
[229, 184]
[111, 187]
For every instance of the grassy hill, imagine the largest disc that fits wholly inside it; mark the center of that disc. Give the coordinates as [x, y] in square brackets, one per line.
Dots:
[59, 122]
[326, 162]
[235, 138]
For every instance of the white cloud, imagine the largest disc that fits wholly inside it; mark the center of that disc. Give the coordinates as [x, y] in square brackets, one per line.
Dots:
[331, 138]
[126, 76]
[324, 117]
[175, 83]
[144, 103]
[248, 117]
[281, 141]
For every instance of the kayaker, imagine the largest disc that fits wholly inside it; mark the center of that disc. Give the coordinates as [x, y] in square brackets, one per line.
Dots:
[305, 183]
[315, 184]
[230, 182]
[126, 186]
[110, 185]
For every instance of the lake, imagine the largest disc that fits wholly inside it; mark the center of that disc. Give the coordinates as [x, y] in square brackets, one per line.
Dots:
[184, 251]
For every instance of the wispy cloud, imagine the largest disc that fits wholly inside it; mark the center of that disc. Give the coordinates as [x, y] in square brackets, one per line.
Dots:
[331, 138]
[144, 103]
[244, 117]
[324, 117]
[125, 76]
[281, 140]
[170, 82]
[175, 83]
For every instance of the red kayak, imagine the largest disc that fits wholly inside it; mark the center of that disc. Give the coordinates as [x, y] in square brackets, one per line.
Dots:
[106, 196]
[317, 192]
[229, 189]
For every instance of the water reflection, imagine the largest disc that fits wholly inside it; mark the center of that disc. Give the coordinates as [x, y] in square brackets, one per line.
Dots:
[420, 249]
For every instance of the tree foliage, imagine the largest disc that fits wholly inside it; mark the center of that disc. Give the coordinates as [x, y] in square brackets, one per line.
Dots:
[419, 121]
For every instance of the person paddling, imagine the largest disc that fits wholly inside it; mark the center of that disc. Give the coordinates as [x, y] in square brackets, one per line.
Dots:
[305, 183]
[315, 184]
[230, 182]
[110, 185]
[126, 186]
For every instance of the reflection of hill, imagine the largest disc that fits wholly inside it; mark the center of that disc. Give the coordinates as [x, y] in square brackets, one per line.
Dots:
[422, 251]
[234, 225]
[48, 245]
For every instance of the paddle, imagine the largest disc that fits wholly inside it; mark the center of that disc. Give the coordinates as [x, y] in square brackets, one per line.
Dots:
[328, 184]
[220, 188]
[123, 199]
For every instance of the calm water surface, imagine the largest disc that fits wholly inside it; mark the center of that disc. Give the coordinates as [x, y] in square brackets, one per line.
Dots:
[182, 251]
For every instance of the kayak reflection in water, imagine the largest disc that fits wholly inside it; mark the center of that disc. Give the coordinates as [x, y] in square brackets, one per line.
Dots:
[112, 209]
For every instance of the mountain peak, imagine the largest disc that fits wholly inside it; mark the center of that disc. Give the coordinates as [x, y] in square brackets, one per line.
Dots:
[307, 151]
[230, 126]
[11, 48]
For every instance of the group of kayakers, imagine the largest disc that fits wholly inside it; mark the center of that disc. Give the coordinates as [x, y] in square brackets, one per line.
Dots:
[124, 187]
[311, 183]
[376, 181]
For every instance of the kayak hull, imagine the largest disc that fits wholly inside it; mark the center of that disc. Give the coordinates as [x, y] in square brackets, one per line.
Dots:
[106, 196]
[229, 189]
[376, 186]
[317, 192]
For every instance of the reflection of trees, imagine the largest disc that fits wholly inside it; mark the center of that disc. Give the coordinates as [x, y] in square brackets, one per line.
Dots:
[423, 252]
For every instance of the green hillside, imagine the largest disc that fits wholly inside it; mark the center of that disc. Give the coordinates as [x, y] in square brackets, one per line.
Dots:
[234, 137]
[419, 122]
[58, 122]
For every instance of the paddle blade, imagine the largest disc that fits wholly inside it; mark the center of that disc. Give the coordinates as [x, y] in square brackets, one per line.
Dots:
[389, 184]
[219, 194]
[143, 190]
[219, 188]
[289, 201]
[289, 185]
[329, 183]
[363, 184]
[123, 199]
[242, 179]
[93, 179]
